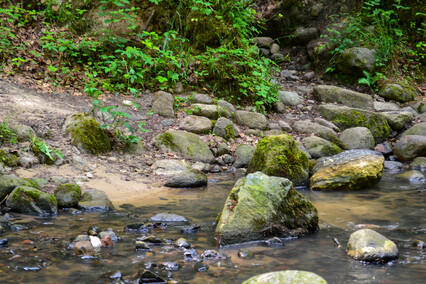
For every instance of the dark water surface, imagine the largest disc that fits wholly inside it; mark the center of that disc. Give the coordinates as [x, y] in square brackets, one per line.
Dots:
[393, 208]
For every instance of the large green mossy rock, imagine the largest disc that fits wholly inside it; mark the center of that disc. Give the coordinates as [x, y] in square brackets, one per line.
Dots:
[345, 117]
[87, 134]
[368, 245]
[260, 206]
[186, 144]
[28, 200]
[286, 277]
[94, 200]
[349, 170]
[280, 156]
[333, 94]
[9, 182]
[8, 159]
[396, 93]
[68, 195]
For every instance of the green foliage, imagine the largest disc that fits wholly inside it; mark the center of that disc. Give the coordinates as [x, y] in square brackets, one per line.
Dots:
[39, 146]
[7, 135]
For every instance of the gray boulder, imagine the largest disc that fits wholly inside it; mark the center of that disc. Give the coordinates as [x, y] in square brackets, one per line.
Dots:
[28, 200]
[302, 36]
[260, 206]
[68, 195]
[169, 167]
[420, 107]
[326, 123]
[396, 93]
[251, 119]
[187, 178]
[167, 217]
[196, 124]
[286, 277]
[418, 129]
[9, 182]
[384, 106]
[263, 41]
[210, 111]
[393, 166]
[409, 147]
[333, 94]
[357, 138]
[419, 164]
[349, 170]
[163, 104]
[345, 117]
[94, 200]
[318, 147]
[226, 105]
[355, 60]
[202, 99]
[289, 98]
[397, 119]
[307, 127]
[186, 144]
[243, 153]
[28, 160]
[368, 245]
[412, 176]
[225, 128]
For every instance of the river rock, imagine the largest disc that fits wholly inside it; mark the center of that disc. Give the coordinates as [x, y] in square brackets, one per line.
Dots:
[187, 178]
[84, 248]
[226, 105]
[393, 166]
[163, 104]
[304, 35]
[223, 149]
[260, 206]
[419, 164]
[385, 106]
[251, 119]
[244, 154]
[285, 126]
[326, 123]
[225, 128]
[412, 176]
[345, 117]
[333, 94]
[318, 147]
[397, 119]
[186, 144]
[167, 217]
[289, 98]
[307, 127]
[349, 170]
[420, 107]
[28, 200]
[86, 133]
[196, 124]
[280, 156]
[286, 277]
[28, 160]
[355, 60]
[263, 41]
[357, 138]
[410, 110]
[9, 182]
[68, 195]
[94, 200]
[169, 167]
[275, 48]
[202, 99]
[418, 129]
[409, 147]
[368, 245]
[210, 111]
[396, 93]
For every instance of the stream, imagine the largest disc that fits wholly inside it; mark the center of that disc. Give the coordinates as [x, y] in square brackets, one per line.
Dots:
[37, 248]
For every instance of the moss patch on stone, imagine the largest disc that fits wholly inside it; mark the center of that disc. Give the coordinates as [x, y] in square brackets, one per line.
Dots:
[8, 159]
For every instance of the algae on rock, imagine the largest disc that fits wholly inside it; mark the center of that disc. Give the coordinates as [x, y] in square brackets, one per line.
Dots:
[280, 156]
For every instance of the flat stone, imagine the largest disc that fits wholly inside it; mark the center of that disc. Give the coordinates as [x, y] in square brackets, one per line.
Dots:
[286, 277]
[384, 106]
[333, 94]
[167, 217]
[398, 119]
[251, 119]
[357, 138]
[196, 124]
[307, 127]
[289, 98]
[202, 99]
[210, 111]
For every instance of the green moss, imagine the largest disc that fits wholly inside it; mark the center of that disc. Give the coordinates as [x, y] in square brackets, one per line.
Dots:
[229, 130]
[70, 187]
[8, 159]
[167, 140]
[91, 137]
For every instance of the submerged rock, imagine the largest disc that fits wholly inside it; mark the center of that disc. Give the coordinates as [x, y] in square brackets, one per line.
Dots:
[260, 206]
[412, 176]
[349, 170]
[94, 200]
[280, 156]
[368, 245]
[28, 200]
[287, 277]
[419, 164]
[167, 217]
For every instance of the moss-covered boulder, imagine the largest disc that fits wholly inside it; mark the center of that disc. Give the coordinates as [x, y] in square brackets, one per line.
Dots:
[349, 170]
[8, 159]
[333, 94]
[9, 182]
[286, 277]
[397, 119]
[418, 129]
[345, 117]
[356, 60]
[396, 93]
[318, 147]
[419, 164]
[28, 200]
[260, 206]
[94, 200]
[87, 134]
[186, 144]
[225, 128]
[368, 245]
[67, 195]
[280, 156]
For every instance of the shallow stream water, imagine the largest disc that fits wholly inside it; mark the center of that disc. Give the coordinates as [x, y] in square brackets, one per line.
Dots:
[393, 208]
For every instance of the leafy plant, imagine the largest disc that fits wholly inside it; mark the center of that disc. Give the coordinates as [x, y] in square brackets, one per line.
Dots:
[39, 146]
[7, 135]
